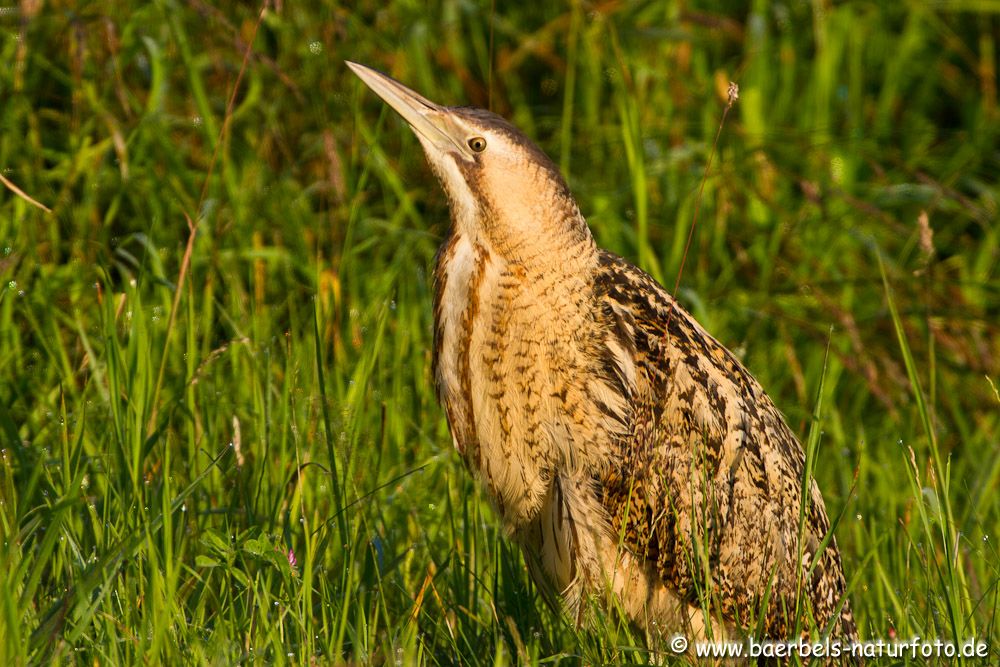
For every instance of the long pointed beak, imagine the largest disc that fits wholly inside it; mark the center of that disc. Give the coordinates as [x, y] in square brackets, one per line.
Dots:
[430, 122]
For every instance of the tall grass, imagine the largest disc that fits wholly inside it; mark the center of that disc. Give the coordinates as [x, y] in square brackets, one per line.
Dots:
[287, 492]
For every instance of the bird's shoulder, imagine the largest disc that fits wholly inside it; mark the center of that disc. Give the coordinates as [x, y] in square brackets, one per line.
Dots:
[684, 383]
[669, 345]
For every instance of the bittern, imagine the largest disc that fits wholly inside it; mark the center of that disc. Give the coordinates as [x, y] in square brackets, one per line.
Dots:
[631, 456]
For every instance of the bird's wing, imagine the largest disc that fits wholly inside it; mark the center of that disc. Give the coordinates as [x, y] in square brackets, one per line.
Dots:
[707, 487]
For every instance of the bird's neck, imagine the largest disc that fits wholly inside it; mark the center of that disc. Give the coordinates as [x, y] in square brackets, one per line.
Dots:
[540, 234]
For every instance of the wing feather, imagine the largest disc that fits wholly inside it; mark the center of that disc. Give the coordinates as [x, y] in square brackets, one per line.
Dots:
[711, 472]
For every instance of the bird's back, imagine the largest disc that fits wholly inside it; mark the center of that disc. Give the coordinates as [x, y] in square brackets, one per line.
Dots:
[707, 486]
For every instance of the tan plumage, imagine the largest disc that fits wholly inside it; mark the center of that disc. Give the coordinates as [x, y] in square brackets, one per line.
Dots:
[627, 451]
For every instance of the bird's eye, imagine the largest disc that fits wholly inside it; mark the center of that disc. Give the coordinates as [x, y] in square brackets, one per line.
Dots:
[477, 144]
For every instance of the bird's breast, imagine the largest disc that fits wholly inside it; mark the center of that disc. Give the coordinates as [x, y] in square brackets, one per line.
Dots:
[516, 375]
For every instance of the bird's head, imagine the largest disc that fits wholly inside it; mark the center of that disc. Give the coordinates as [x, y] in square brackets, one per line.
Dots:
[500, 185]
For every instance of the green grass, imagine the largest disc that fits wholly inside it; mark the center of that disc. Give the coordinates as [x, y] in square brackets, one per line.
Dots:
[152, 521]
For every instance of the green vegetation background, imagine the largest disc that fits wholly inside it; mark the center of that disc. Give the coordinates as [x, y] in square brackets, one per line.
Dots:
[246, 460]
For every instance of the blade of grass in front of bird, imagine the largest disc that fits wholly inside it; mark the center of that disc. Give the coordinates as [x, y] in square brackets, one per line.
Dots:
[953, 582]
[805, 491]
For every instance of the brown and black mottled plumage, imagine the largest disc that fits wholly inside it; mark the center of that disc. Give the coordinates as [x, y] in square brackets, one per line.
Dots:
[627, 451]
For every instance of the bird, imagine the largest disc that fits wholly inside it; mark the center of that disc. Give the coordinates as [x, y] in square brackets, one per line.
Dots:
[635, 460]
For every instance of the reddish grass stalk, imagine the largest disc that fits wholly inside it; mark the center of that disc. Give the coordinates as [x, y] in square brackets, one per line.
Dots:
[734, 94]
[193, 224]
[23, 195]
